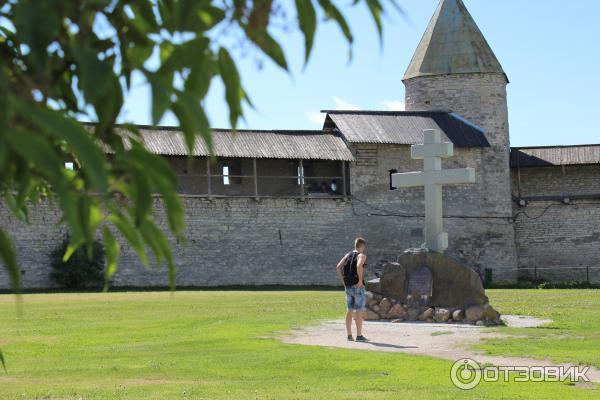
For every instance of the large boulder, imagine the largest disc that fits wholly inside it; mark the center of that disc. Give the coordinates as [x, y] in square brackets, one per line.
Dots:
[454, 283]
[393, 281]
[373, 285]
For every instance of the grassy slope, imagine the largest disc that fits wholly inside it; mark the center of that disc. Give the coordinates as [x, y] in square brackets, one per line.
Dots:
[215, 345]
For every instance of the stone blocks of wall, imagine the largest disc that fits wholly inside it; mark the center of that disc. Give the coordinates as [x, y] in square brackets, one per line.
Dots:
[557, 241]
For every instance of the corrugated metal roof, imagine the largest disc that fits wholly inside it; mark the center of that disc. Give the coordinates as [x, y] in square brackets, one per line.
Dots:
[308, 145]
[404, 127]
[554, 155]
[452, 44]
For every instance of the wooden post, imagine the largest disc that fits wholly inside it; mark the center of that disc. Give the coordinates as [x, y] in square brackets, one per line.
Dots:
[518, 181]
[562, 181]
[208, 176]
[587, 273]
[301, 175]
[255, 175]
[344, 191]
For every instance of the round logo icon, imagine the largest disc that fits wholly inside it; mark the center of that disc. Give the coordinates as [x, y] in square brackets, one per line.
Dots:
[466, 374]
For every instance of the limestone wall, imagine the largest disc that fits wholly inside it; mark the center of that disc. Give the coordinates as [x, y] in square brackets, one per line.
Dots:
[237, 241]
[243, 241]
[558, 241]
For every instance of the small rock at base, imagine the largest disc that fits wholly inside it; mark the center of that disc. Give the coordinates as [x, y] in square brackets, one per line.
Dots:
[371, 315]
[385, 306]
[480, 323]
[475, 313]
[426, 314]
[441, 315]
[413, 314]
[458, 315]
[397, 311]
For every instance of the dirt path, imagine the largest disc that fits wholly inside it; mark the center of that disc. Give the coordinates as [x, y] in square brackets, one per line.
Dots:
[447, 341]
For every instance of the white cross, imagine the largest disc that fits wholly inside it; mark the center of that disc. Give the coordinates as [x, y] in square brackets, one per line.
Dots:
[432, 178]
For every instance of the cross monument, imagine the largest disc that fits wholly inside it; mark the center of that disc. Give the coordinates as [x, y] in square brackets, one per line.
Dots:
[432, 178]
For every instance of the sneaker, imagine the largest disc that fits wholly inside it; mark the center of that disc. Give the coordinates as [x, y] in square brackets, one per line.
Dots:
[350, 338]
[361, 338]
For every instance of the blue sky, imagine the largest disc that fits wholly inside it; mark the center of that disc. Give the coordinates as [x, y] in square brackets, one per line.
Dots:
[548, 49]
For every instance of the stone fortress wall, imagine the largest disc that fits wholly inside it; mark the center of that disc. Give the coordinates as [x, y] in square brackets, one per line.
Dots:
[558, 240]
[243, 241]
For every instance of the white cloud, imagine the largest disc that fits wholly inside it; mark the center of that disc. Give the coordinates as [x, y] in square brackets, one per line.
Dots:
[316, 118]
[392, 105]
[341, 104]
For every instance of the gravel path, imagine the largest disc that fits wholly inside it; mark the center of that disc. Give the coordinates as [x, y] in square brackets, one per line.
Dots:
[447, 341]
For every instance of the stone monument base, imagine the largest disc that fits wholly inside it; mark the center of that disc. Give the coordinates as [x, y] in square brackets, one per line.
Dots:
[429, 287]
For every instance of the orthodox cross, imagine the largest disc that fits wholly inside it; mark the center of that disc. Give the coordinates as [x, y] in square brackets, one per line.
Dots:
[432, 178]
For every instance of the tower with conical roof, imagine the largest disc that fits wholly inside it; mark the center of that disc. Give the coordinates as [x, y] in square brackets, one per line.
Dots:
[455, 69]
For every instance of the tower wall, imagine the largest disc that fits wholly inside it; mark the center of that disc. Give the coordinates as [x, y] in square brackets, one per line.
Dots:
[481, 99]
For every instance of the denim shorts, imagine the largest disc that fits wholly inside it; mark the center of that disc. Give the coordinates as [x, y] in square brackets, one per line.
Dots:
[356, 298]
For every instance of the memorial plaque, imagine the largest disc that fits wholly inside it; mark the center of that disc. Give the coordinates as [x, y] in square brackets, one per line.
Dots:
[420, 283]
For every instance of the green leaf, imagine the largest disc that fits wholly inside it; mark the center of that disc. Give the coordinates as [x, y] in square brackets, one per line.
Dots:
[233, 88]
[94, 75]
[151, 241]
[138, 54]
[9, 259]
[376, 10]
[36, 149]
[269, 46]
[201, 74]
[130, 234]
[162, 177]
[332, 12]
[109, 106]
[192, 15]
[89, 154]
[192, 119]
[113, 251]
[160, 95]
[90, 216]
[100, 86]
[141, 194]
[160, 247]
[37, 25]
[307, 20]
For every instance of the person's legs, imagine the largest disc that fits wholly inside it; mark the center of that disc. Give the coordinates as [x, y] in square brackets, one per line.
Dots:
[349, 322]
[358, 319]
[350, 309]
[359, 308]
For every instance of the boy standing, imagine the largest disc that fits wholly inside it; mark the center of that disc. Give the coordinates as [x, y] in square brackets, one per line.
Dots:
[350, 269]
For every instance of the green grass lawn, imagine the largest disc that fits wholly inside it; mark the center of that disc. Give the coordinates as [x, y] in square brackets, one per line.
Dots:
[218, 345]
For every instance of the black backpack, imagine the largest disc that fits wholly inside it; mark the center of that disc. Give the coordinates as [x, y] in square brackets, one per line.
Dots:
[350, 272]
